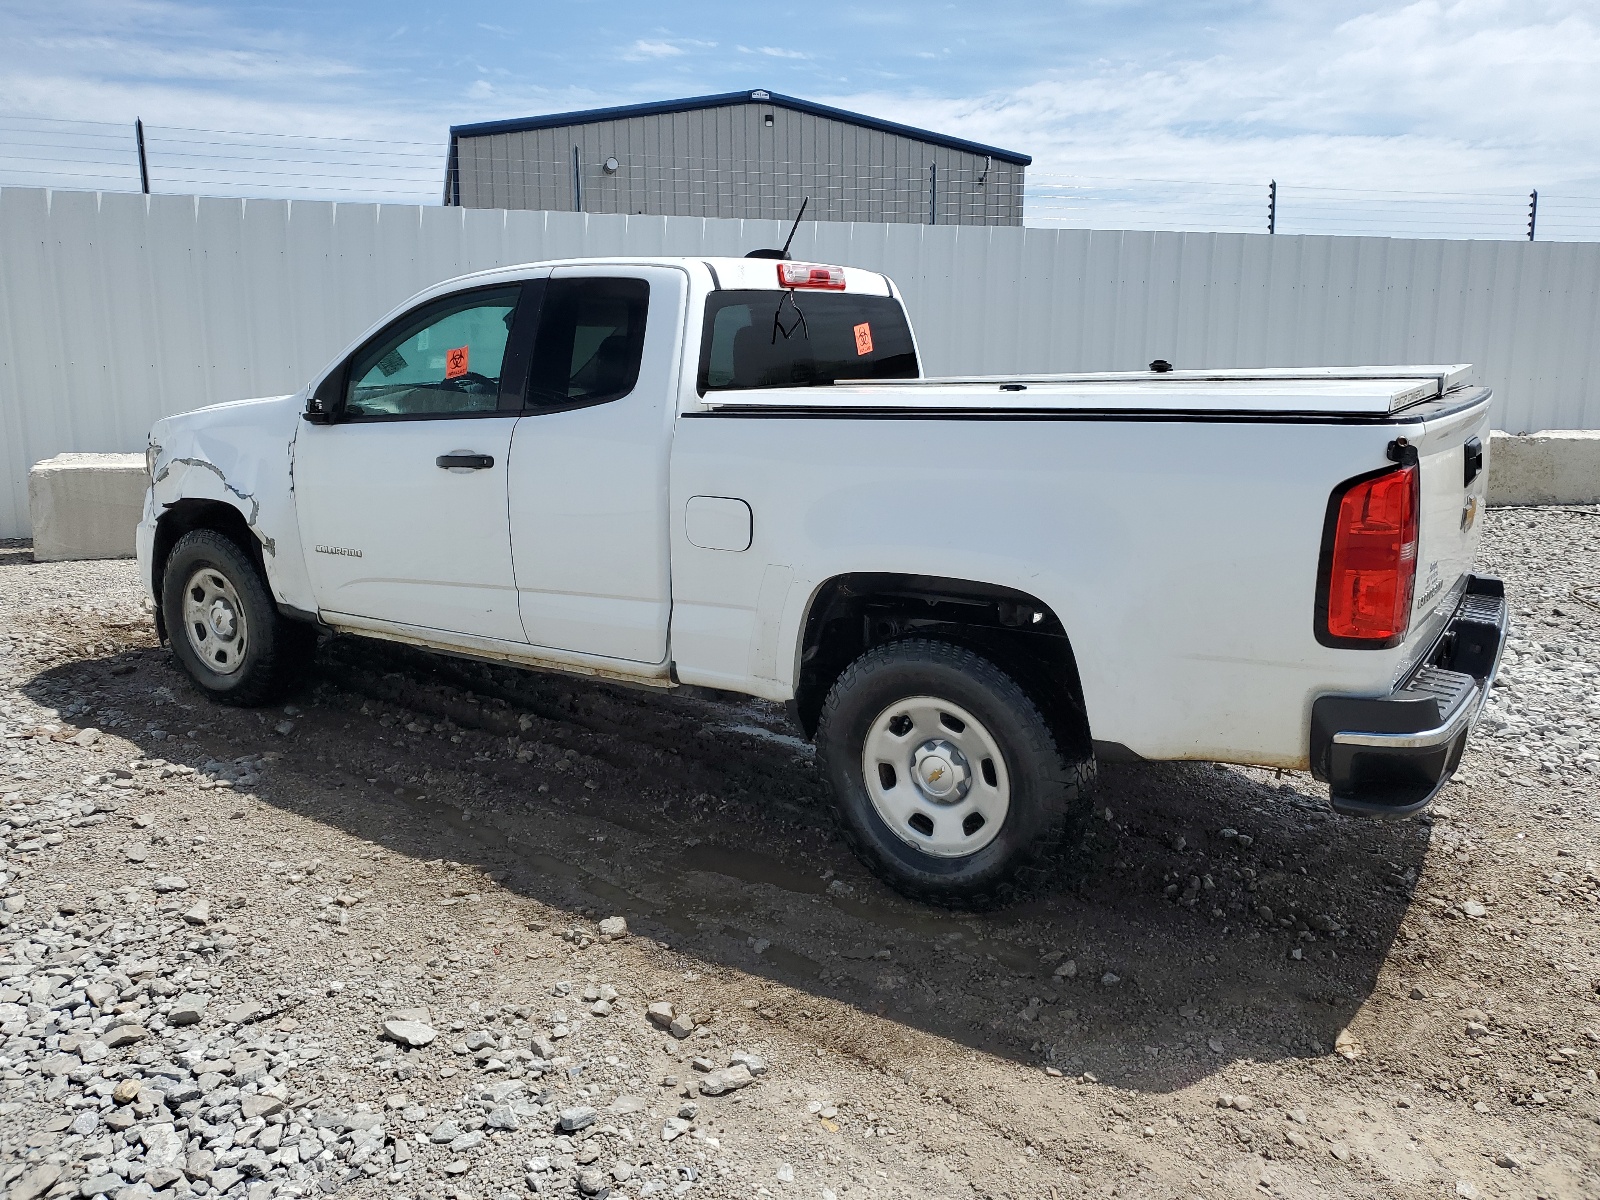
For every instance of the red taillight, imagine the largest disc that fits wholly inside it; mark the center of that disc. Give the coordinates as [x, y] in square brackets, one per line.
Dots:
[1372, 562]
[810, 275]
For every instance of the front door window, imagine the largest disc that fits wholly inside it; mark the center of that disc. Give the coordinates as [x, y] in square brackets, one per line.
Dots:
[445, 360]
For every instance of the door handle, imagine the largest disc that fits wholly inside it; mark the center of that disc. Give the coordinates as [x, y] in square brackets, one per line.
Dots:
[469, 462]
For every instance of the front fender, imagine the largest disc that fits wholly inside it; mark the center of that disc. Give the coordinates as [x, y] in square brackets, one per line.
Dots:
[240, 455]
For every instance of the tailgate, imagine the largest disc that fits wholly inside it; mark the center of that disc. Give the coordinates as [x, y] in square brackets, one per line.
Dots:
[1453, 454]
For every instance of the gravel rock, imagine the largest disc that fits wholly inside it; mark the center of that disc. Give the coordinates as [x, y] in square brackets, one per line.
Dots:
[125, 1035]
[169, 883]
[576, 1118]
[729, 1079]
[409, 1033]
[35, 1182]
[753, 1063]
[188, 1009]
[262, 1105]
[660, 1014]
[614, 927]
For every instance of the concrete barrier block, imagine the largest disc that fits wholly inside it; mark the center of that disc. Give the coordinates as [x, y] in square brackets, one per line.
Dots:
[86, 505]
[1554, 466]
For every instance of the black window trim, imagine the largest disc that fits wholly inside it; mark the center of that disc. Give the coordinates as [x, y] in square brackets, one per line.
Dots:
[513, 367]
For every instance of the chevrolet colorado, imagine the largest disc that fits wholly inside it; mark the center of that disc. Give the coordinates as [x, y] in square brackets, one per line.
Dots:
[729, 473]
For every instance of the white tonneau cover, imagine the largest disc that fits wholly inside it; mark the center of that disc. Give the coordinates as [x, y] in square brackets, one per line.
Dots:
[1323, 391]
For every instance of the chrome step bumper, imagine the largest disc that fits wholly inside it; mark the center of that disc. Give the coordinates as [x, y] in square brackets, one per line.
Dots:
[1388, 756]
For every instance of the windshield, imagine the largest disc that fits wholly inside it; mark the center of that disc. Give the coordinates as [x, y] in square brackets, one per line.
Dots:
[763, 339]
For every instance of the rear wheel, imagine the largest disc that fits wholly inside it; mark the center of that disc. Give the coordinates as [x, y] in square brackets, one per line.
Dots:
[226, 632]
[950, 783]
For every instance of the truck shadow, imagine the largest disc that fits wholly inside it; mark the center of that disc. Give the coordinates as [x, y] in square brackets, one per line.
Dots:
[1207, 915]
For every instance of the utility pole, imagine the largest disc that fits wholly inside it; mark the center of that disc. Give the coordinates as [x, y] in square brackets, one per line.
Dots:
[144, 164]
[1533, 212]
[1272, 207]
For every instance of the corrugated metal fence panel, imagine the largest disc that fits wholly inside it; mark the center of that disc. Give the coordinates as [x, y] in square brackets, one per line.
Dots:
[118, 309]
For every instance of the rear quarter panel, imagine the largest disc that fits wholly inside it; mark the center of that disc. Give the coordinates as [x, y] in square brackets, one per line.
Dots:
[1181, 556]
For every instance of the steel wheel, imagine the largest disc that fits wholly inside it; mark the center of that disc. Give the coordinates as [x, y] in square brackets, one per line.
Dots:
[214, 621]
[936, 777]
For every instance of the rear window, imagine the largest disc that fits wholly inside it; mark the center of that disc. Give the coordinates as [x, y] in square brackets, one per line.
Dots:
[765, 339]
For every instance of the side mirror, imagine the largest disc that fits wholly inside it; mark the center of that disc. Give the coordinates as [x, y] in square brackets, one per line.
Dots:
[324, 402]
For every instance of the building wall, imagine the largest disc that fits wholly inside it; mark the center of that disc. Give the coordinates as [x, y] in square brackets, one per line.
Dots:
[117, 309]
[725, 162]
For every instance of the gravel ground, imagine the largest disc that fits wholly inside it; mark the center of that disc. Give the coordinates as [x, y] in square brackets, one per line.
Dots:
[366, 942]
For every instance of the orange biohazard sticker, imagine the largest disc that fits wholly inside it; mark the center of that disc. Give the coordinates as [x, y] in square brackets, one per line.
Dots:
[455, 361]
[863, 339]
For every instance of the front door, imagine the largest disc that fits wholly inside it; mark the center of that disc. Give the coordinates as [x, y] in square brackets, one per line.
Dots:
[402, 497]
[588, 489]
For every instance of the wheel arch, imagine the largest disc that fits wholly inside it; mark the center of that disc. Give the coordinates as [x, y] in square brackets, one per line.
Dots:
[185, 516]
[851, 613]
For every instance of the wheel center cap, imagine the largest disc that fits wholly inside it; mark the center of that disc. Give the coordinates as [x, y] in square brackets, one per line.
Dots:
[941, 771]
[221, 618]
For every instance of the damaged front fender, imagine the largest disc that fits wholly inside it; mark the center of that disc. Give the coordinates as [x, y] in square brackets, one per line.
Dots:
[240, 455]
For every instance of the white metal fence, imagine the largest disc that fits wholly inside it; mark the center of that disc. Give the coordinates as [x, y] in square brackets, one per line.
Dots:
[117, 309]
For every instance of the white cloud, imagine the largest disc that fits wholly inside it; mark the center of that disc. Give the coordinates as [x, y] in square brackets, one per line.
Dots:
[1426, 95]
[643, 50]
[780, 52]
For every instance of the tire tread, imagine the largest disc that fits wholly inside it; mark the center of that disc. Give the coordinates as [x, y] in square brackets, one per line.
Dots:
[1074, 778]
[281, 648]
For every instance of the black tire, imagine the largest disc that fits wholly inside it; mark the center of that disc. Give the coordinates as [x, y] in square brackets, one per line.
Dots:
[1049, 786]
[275, 651]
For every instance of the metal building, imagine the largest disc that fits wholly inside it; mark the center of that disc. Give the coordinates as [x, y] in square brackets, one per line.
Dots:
[740, 154]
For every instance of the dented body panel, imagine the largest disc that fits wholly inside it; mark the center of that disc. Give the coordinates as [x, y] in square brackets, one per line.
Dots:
[240, 454]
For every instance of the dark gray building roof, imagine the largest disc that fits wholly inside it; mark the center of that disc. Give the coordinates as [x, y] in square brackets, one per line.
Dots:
[756, 96]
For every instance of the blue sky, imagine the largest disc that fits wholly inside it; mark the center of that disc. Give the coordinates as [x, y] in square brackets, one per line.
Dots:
[1473, 95]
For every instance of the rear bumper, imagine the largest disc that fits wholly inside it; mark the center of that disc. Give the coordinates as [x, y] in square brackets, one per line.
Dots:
[1388, 756]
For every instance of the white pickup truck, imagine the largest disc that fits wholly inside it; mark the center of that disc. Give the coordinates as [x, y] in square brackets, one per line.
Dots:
[728, 473]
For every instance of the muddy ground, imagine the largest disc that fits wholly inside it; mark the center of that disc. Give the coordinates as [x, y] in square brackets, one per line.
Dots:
[1228, 990]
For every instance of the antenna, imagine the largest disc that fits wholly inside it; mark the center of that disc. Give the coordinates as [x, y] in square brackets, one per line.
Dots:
[793, 229]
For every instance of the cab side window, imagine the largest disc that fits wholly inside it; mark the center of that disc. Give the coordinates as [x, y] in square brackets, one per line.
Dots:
[445, 359]
[591, 340]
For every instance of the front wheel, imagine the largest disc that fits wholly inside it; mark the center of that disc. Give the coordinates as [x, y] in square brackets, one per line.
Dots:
[950, 782]
[226, 632]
